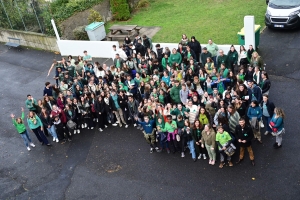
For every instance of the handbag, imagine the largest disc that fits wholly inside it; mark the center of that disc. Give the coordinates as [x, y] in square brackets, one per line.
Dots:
[272, 124]
[71, 124]
[230, 150]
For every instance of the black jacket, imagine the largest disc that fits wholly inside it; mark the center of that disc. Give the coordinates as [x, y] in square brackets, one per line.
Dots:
[47, 121]
[72, 116]
[266, 86]
[196, 47]
[270, 107]
[99, 107]
[244, 134]
[140, 49]
[133, 107]
[122, 101]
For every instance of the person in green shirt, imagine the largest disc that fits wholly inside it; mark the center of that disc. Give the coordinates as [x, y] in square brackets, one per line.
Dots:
[170, 127]
[233, 57]
[31, 103]
[223, 71]
[165, 61]
[162, 136]
[222, 58]
[175, 57]
[87, 57]
[20, 126]
[223, 140]
[70, 69]
[213, 49]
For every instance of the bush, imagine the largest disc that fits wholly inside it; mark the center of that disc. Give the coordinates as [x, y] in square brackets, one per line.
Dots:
[143, 4]
[80, 33]
[94, 16]
[120, 9]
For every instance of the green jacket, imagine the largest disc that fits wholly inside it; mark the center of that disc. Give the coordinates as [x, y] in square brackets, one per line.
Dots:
[20, 127]
[213, 49]
[232, 57]
[165, 62]
[177, 112]
[175, 94]
[30, 105]
[204, 56]
[175, 58]
[223, 59]
[224, 73]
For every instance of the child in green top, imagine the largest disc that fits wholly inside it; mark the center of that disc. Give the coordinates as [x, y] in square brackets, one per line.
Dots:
[162, 136]
[18, 123]
[170, 127]
[223, 140]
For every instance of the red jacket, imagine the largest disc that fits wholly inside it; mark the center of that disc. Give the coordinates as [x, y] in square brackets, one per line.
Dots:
[61, 115]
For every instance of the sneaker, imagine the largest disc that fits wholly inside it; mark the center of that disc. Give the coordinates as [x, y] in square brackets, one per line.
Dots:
[209, 162]
[221, 165]
[117, 122]
[120, 125]
[28, 149]
[114, 124]
[230, 164]
[204, 156]
[129, 118]
[56, 140]
[70, 134]
[69, 140]
[126, 126]
[105, 126]
[92, 127]
[168, 151]
[97, 120]
[266, 133]
[158, 150]
[31, 144]
[151, 150]
[100, 129]
[182, 155]
[199, 157]
[109, 121]
[53, 139]
[88, 128]
[82, 126]
[78, 131]
[94, 119]
[212, 162]
[85, 125]
[75, 131]
[134, 125]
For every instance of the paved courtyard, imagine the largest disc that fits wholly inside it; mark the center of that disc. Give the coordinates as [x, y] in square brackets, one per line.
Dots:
[116, 163]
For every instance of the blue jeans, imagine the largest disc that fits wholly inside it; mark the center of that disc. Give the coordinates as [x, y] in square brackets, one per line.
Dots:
[26, 138]
[52, 131]
[191, 146]
[266, 121]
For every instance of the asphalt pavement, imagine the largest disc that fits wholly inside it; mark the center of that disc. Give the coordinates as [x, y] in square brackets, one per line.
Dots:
[116, 163]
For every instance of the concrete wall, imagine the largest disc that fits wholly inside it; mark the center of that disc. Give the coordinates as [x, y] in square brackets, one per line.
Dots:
[98, 49]
[30, 39]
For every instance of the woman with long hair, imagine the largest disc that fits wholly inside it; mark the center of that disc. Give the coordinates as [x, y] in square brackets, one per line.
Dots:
[187, 134]
[48, 102]
[78, 119]
[209, 140]
[101, 114]
[277, 126]
[243, 56]
[71, 115]
[255, 115]
[265, 83]
[197, 134]
[21, 128]
[48, 123]
[209, 66]
[36, 126]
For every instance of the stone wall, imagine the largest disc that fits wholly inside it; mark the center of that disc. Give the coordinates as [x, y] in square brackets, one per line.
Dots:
[30, 39]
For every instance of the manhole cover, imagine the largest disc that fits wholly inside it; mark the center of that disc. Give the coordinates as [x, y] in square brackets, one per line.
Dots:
[112, 167]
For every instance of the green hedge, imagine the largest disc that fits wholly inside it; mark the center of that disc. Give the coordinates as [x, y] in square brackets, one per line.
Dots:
[120, 9]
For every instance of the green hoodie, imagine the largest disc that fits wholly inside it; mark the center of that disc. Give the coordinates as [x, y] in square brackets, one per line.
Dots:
[175, 94]
[20, 127]
[33, 125]
[233, 57]
[170, 128]
[175, 58]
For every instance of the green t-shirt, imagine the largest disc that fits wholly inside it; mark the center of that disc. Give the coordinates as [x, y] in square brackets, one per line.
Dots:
[223, 138]
[71, 70]
[87, 57]
[161, 99]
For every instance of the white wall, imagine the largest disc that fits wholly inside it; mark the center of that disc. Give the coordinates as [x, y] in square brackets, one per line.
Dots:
[102, 49]
[98, 49]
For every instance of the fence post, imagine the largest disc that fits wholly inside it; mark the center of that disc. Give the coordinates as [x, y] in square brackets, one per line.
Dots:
[6, 15]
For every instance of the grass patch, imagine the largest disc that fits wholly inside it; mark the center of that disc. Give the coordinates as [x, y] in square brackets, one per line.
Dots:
[216, 19]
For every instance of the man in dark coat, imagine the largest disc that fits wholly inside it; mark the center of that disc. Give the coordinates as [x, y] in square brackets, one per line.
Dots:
[244, 135]
[196, 47]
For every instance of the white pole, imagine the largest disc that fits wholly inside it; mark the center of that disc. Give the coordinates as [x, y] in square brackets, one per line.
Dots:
[249, 27]
[55, 29]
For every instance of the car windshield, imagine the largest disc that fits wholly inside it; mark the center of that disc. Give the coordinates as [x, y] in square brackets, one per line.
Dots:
[284, 3]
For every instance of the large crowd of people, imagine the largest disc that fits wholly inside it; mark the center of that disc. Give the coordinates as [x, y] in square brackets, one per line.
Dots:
[191, 98]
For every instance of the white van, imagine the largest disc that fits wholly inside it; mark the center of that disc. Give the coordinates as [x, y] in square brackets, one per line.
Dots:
[284, 14]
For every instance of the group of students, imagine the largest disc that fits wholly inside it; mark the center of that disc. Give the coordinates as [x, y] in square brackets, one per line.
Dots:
[190, 98]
